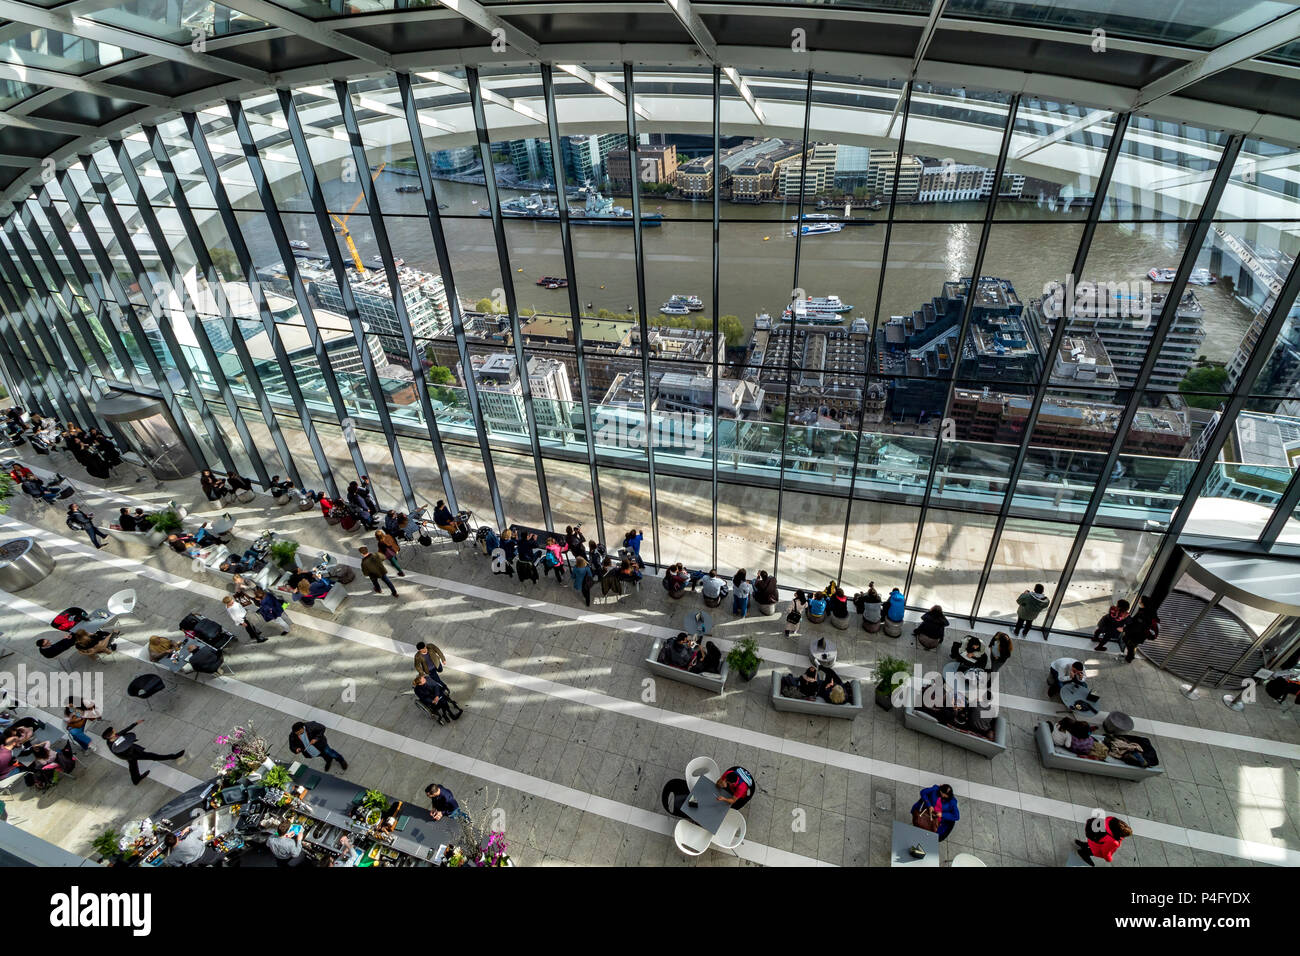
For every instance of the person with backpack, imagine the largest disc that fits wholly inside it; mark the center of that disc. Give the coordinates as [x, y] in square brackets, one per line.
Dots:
[373, 567]
[1029, 605]
[388, 547]
[272, 609]
[1142, 626]
[1111, 626]
[553, 558]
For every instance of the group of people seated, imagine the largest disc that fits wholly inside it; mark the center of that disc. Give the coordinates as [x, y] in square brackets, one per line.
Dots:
[217, 488]
[306, 585]
[137, 520]
[92, 449]
[1086, 740]
[36, 487]
[686, 653]
[949, 704]
[815, 683]
[44, 761]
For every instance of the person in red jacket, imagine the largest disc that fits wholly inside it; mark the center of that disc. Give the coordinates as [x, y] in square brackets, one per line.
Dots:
[1104, 838]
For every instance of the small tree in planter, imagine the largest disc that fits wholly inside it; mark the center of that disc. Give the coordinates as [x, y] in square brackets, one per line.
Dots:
[887, 669]
[108, 846]
[161, 524]
[743, 658]
[285, 553]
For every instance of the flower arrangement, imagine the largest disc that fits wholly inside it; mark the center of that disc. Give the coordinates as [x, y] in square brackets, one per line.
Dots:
[494, 852]
[248, 751]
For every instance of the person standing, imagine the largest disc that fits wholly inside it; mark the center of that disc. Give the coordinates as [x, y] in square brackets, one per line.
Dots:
[1104, 837]
[1029, 605]
[388, 548]
[1111, 626]
[123, 745]
[429, 660]
[740, 593]
[79, 520]
[271, 608]
[1142, 626]
[936, 810]
[307, 739]
[368, 493]
[239, 614]
[581, 575]
[373, 567]
[443, 803]
[794, 613]
[286, 849]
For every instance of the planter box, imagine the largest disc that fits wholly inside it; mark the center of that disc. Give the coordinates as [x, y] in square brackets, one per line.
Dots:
[1058, 759]
[711, 682]
[137, 544]
[923, 723]
[819, 708]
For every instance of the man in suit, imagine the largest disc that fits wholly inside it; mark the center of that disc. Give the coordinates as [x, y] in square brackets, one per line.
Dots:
[52, 649]
[123, 745]
[307, 739]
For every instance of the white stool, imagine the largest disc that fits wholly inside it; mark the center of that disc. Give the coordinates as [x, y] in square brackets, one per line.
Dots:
[691, 839]
[701, 767]
[966, 859]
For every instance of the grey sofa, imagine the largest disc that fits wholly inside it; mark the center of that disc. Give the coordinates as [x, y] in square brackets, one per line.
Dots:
[712, 682]
[924, 723]
[819, 708]
[1058, 759]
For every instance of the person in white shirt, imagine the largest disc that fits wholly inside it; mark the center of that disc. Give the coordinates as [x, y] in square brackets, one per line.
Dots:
[239, 615]
[1063, 670]
[713, 588]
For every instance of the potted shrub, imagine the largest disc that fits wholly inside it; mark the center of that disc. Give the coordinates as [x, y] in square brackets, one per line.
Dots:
[285, 553]
[887, 668]
[743, 658]
[371, 806]
[161, 524]
[108, 846]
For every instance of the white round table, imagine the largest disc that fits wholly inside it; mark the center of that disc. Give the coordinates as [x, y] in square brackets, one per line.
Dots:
[966, 859]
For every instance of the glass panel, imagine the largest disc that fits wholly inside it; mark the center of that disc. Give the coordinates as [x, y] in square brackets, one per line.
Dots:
[1111, 564]
[951, 559]
[1029, 553]
[187, 21]
[63, 52]
[1163, 171]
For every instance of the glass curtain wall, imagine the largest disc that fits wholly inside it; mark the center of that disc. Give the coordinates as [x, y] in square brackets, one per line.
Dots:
[831, 327]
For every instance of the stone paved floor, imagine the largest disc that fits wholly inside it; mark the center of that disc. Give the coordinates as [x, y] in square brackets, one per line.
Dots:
[564, 732]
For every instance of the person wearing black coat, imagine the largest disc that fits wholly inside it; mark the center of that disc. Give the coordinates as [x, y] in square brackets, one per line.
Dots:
[307, 739]
[79, 520]
[932, 624]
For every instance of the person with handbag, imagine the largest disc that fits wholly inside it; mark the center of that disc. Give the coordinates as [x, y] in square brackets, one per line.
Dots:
[389, 549]
[936, 810]
[794, 613]
[1103, 838]
[1111, 626]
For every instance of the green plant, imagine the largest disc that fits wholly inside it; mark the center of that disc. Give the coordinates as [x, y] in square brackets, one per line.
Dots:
[284, 552]
[6, 489]
[374, 800]
[886, 669]
[166, 522]
[277, 777]
[107, 844]
[743, 656]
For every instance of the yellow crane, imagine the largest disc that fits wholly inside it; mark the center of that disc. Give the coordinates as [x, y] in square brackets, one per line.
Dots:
[343, 223]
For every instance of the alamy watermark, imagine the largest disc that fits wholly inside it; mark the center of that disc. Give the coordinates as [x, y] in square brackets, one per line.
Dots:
[49, 690]
[685, 432]
[1124, 300]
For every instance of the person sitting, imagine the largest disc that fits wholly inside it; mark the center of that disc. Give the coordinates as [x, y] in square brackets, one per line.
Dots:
[160, 647]
[739, 785]
[92, 645]
[999, 650]
[969, 653]
[204, 659]
[710, 662]
[895, 606]
[36, 488]
[184, 544]
[675, 580]
[1063, 670]
[19, 473]
[929, 633]
[682, 651]
[817, 607]
[810, 683]
[832, 689]
[713, 588]
[1073, 735]
[309, 591]
[214, 488]
[126, 521]
[1111, 626]
[435, 696]
[870, 607]
[240, 565]
[839, 605]
[280, 488]
[237, 482]
[443, 518]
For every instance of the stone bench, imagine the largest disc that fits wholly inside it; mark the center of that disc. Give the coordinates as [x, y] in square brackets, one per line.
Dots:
[1056, 759]
[711, 682]
[818, 708]
[136, 544]
[924, 723]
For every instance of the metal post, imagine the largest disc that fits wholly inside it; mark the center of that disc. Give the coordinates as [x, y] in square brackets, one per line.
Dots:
[1058, 335]
[38, 339]
[717, 295]
[236, 236]
[1167, 316]
[207, 271]
[1283, 513]
[575, 306]
[963, 327]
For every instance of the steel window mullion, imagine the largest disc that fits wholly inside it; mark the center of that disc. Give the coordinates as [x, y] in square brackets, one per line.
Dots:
[253, 159]
[29, 382]
[66, 292]
[79, 272]
[717, 293]
[1286, 507]
[37, 336]
[16, 320]
[1168, 314]
[19, 391]
[81, 377]
[314, 190]
[208, 272]
[794, 325]
[132, 180]
[638, 252]
[114, 287]
[905, 94]
[963, 327]
[1058, 335]
[562, 202]
[1209, 459]
[136, 265]
[233, 232]
[484, 142]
